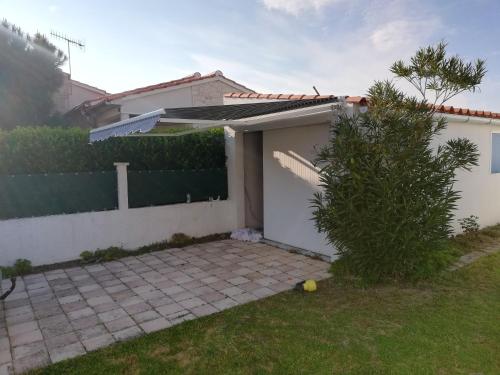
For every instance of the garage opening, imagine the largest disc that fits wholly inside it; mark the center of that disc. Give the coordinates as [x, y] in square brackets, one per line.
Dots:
[253, 180]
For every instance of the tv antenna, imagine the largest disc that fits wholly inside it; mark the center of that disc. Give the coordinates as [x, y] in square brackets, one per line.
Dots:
[71, 42]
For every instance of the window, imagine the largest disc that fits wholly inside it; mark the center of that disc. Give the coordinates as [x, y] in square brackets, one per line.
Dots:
[495, 153]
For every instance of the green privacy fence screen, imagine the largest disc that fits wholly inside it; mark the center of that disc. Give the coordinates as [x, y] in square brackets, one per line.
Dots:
[156, 188]
[53, 194]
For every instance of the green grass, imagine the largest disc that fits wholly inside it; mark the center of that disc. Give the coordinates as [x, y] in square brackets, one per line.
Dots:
[449, 325]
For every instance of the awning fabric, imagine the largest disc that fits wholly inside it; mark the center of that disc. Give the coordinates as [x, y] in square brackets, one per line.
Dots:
[209, 116]
[139, 124]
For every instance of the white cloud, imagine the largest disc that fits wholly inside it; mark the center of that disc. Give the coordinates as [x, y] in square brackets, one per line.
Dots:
[53, 8]
[402, 32]
[295, 7]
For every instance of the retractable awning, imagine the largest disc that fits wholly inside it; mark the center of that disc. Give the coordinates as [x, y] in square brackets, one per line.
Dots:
[238, 116]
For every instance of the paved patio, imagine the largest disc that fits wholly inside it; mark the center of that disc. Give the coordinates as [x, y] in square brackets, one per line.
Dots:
[67, 312]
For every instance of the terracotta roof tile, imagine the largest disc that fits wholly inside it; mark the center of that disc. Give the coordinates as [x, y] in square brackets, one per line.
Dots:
[277, 96]
[361, 100]
[176, 82]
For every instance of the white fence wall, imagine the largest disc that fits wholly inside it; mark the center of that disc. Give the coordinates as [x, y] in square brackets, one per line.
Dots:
[58, 238]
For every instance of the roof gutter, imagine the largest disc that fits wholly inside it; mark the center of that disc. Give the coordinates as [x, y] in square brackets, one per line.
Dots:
[474, 119]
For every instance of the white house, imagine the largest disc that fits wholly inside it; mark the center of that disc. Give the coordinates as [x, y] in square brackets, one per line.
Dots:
[272, 139]
[73, 93]
[190, 91]
[270, 143]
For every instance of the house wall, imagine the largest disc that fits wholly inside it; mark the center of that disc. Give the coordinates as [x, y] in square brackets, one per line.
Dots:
[290, 181]
[202, 94]
[71, 94]
[480, 188]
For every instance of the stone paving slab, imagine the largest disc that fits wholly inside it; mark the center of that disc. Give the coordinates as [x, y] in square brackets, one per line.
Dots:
[65, 313]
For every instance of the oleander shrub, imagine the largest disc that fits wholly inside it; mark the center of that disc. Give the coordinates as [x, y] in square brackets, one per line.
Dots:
[388, 194]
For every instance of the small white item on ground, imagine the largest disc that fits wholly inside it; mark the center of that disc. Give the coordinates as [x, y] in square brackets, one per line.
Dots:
[246, 234]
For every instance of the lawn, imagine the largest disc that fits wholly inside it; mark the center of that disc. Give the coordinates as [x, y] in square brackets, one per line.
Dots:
[447, 326]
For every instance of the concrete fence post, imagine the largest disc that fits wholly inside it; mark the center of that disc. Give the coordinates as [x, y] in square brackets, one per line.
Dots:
[122, 181]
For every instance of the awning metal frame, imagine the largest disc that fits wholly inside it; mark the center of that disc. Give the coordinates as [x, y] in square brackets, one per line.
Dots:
[139, 126]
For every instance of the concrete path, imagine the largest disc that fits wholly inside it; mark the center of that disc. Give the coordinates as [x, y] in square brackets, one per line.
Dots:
[68, 312]
[471, 257]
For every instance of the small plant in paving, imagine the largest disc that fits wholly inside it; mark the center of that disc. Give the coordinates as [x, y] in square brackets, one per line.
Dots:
[20, 267]
[180, 239]
[388, 196]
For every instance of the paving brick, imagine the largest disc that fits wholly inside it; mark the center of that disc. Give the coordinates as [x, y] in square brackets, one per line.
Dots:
[23, 328]
[156, 302]
[182, 296]
[169, 309]
[232, 291]
[225, 303]
[106, 307]
[69, 299]
[87, 311]
[86, 322]
[155, 325]
[30, 362]
[21, 318]
[119, 324]
[127, 333]
[212, 297]
[108, 316]
[66, 352]
[263, 292]
[95, 301]
[203, 310]
[192, 302]
[26, 338]
[28, 350]
[244, 297]
[137, 308]
[5, 356]
[91, 332]
[98, 342]
[145, 316]
[173, 290]
[61, 340]
[6, 369]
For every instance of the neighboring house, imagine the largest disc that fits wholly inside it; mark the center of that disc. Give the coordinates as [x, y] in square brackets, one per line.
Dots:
[191, 91]
[272, 139]
[73, 93]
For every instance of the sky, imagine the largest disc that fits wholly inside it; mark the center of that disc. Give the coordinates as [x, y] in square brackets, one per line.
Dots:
[271, 46]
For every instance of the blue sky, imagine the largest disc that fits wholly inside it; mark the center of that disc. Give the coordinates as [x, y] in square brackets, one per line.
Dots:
[340, 46]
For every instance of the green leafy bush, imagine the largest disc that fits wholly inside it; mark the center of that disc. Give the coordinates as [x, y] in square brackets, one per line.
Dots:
[58, 150]
[388, 197]
[20, 267]
[104, 255]
[469, 225]
[180, 240]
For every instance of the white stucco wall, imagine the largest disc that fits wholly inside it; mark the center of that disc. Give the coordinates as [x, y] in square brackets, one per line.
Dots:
[480, 188]
[290, 181]
[58, 238]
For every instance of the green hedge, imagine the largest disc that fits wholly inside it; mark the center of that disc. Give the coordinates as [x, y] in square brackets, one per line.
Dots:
[60, 150]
